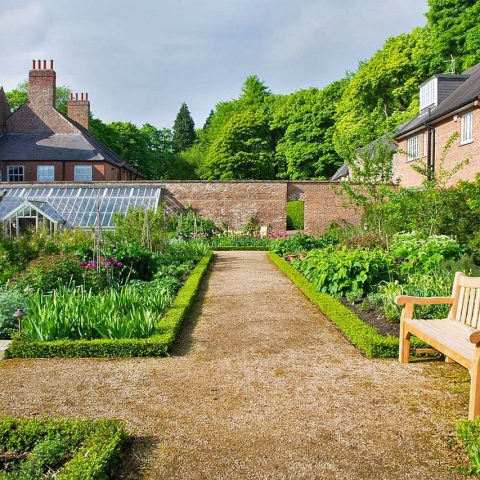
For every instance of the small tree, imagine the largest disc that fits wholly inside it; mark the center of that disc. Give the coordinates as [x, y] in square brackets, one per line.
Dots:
[370, 173]
[183, 130]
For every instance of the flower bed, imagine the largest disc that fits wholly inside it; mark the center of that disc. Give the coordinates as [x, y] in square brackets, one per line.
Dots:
[157, 344]
[56, 448]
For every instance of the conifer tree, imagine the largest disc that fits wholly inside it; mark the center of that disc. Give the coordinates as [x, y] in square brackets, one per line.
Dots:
[183, 130]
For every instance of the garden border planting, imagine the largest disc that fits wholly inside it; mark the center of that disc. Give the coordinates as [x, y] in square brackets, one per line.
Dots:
[240, 249]
[468, 432]
[363, 336]
[157, 345]
[96, 444]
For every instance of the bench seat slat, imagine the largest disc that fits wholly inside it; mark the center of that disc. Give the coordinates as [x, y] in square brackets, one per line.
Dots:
[447, 336]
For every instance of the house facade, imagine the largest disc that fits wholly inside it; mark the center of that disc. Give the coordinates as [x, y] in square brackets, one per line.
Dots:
[449, 114]
[40, 144]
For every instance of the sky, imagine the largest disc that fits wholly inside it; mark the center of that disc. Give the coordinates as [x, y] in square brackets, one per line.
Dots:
[140, 59]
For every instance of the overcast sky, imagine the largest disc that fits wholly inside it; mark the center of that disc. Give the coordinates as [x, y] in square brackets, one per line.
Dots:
[140, 59]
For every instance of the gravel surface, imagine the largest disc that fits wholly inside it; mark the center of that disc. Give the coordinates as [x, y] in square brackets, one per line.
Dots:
[261, 386]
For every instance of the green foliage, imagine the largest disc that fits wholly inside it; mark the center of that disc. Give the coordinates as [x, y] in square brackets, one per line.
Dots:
[147, 226]
[11, 299]
[438, 283]
[301, 243]
[238, 242]
[417, 252]
[63, 449]
[295, 215]
[158, 344]
[190, 225]
[363, 336]
[183, 130]
[468, 432]
[305, 121]
[346, 272]
[49, 272]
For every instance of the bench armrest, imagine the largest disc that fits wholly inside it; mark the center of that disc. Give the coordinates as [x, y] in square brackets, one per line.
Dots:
[404, 299]
[475, 337]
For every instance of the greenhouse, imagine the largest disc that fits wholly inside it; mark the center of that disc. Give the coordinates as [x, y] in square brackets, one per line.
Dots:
[24, 208]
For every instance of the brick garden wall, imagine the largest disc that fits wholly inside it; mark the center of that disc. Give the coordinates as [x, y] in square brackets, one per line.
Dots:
[235, 202]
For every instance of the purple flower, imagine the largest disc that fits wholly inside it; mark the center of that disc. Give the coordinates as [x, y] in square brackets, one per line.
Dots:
[84, 264]
[112, 260]
[119, 264]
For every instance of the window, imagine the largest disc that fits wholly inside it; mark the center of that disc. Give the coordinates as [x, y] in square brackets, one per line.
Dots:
[412, 148]
[467, 128]
[82, 173]
[428, 94]
[45, 173]
[15, 173]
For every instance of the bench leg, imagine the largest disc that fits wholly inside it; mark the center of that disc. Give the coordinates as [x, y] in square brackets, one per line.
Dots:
[474, 406]
[404, 354]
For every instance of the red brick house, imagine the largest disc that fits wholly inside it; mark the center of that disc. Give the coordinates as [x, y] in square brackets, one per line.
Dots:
[449, 105]
[40, 144]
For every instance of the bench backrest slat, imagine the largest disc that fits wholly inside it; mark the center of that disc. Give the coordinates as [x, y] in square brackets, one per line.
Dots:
[466, 306]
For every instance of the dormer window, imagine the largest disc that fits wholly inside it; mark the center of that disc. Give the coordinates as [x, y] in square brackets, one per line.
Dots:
[429, 94]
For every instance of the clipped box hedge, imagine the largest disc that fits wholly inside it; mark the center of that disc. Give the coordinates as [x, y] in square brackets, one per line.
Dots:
[92, 448]
[295, 215]
[363, 336]
[241, 249]
[157, 345]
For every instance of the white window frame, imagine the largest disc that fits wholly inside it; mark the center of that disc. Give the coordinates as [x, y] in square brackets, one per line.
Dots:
[467, 128]
[413, 152]
[11, 173]
[429, 94]
[45, 177]
[79, 176]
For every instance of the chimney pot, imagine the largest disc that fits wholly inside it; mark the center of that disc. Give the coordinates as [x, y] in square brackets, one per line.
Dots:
[39, 64]
[33, 64]
[51, 64]
[44, 64]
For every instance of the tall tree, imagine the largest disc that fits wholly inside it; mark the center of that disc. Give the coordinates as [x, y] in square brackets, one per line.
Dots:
[183, 130]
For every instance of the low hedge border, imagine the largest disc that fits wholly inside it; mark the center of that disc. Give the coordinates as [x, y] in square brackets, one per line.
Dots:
[363, 336]
[157, 345]
[94, 446]
[468, 432]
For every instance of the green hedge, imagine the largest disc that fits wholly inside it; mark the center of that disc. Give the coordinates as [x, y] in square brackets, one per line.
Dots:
[468, 433]
[92, 448]
[363, 336]
[295, 215]
[157, 345]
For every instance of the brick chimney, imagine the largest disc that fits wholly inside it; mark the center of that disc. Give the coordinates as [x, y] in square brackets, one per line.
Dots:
[78, 108]
[42, 85]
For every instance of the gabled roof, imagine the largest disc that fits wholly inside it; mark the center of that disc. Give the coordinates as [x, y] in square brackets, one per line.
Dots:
[466, 93]
[40, 206]
[342, 172]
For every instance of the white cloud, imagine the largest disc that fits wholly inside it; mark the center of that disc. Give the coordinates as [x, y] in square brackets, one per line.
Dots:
[139, 61]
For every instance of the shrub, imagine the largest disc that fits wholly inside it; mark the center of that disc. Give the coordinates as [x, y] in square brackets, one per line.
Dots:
[10, 300]
[416, 252]
[474, 247]
[232, 242]
[295, 215]
[468, 432]
[301, 243]
[363, 336]
[346, 272]
[191, 225]
[49, 272]
[63, 449]
[137, 260]
[362, 239]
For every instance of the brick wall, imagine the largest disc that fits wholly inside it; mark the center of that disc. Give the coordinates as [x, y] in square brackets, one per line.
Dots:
[402, 165]
[324, 204]
[236, 202]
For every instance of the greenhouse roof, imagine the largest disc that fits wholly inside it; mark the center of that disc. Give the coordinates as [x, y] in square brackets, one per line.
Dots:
[79, 206]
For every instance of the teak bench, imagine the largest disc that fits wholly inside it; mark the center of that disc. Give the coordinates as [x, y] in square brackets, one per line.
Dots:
[456, 337]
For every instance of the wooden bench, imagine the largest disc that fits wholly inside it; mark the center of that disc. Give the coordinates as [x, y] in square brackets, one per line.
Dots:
[457, 336]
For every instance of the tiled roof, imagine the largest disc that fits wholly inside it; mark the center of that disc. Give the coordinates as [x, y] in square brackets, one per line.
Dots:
[467, 92]
[342, 172]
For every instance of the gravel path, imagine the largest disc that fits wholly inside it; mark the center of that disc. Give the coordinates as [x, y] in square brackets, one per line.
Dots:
[261, 386]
